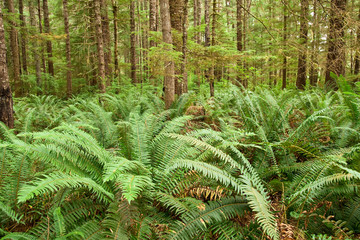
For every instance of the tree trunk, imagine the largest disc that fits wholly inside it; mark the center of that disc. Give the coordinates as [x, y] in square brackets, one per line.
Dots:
[184, 49]
[14, 49]
[301, 73]
[336, 43]
[213, 43]
[284, 69]
[239, 39]
[315, 48]
[68, 49]
[152, 19]
[23, 37]
[43, 64]
[105, 24]
[116, 61]
[35, 46]
[169, 83]
[207, 23]
[6, 102]
[48, 43]
[197, 21]
[100, 47]
[357, 54]
[132, 42]
[176, 16]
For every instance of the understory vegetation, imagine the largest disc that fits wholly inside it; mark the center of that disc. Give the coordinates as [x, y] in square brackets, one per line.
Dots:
[262, 164]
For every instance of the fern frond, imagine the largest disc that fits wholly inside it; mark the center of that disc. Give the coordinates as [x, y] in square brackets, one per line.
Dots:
[55, 181]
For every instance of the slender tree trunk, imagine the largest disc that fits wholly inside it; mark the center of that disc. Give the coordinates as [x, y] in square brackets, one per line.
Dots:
[152, 19]
[213, 43]
[35, 46]
[100, 47]
[23, 37]
[184, 48]
[132, 42]
[357, 54]
[6, 102]
[68, 50]
[239, 39]
[116, 61]
[207, 23]
[48, 43]
[176, 16]
[105, 24]
[169, 83]
[284, 69]
[301, 74]
[336, 43]
[14, 50]
[315, 48]
[43, 64]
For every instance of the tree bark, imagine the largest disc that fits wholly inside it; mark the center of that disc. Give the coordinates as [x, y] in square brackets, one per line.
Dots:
[284, 67]
[177, 16]
[116, 61]
[213, 43]
[67, 49]
[35, 46]
[23, 37]
[239, 39]
[43, 64]
[301, 73]
[6, 102]
[184, 48]
[357, 54]
[132, 42]
[14, 44]
[313, 75]
[105, 24]
[48, 43]
[169, 83]
[207, 22]
[152, 19]
[336, 43]
[100, 47]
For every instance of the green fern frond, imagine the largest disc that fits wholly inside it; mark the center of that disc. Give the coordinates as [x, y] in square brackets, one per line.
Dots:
[55, 181]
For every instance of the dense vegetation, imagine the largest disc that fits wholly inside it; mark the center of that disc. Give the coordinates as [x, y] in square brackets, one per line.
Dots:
[179, 119]
[244, 165]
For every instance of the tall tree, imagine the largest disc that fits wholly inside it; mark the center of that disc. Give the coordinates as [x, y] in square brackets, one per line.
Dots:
[132, 42]
[105, 24]
[207, 22]
[6, 102]
[239, 38]
[35, 46]
[48, 42]
[197, 20]
[313, 74]
[301, 73]
[43, 64]
[357, 54]
[169, 83]
[336, 42]
[116, 53]
[14, 45]
[23, 37]
[152, 19]
[100, 47]
[177, 16]
[184, 48]
[68, 49]
[284, 67]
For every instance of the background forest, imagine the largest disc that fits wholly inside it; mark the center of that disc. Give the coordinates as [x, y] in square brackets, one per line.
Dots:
[178, 119]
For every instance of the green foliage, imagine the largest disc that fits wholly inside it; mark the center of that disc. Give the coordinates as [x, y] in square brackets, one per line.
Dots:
[113, 168]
